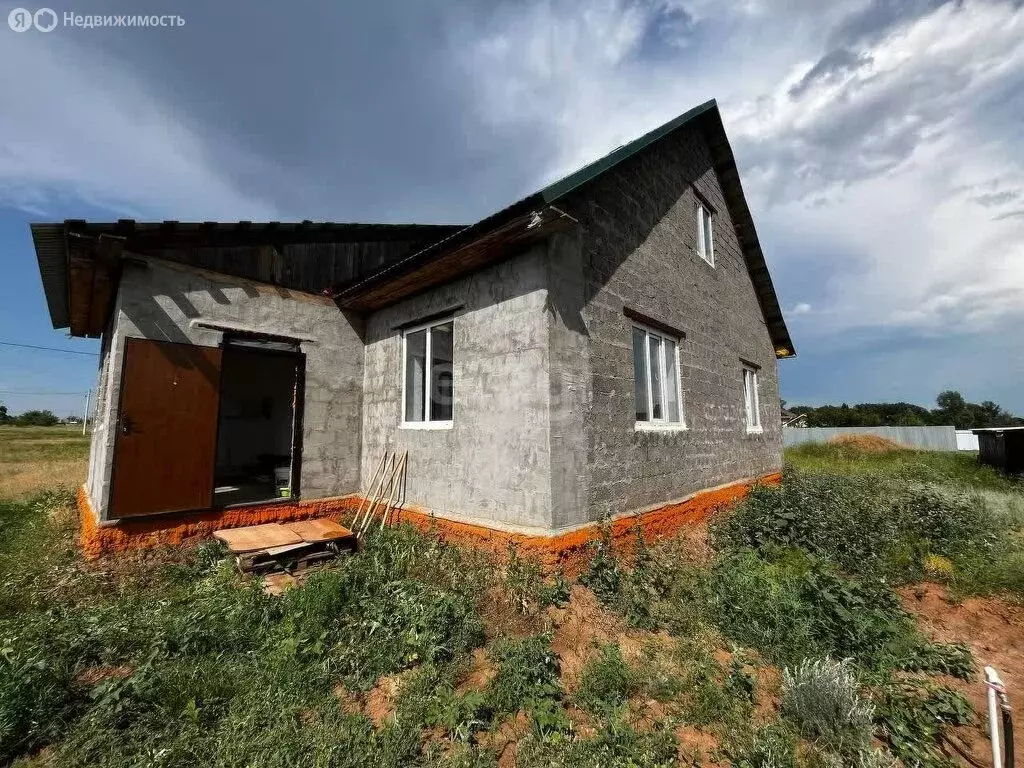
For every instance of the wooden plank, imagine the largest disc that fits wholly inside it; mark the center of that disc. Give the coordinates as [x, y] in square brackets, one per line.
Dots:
[253, 538]
[319, 530]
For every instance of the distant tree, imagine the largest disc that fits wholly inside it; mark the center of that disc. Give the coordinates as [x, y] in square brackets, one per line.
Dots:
[37, 419]
[4, 416]
[953, 409]
[950, 401]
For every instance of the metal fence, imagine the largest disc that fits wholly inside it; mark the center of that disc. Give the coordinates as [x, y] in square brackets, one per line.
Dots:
[966, 440]
[930, 438]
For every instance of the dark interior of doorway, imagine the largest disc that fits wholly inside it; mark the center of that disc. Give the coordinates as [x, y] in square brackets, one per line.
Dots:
[256, 433]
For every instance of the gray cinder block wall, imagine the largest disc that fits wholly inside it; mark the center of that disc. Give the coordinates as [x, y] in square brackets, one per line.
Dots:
[493, 465]
[637, 248]
[162, 301]
[543, 435]
[544, 432]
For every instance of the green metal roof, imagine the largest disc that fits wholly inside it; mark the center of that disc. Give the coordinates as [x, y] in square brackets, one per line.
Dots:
[578, 178]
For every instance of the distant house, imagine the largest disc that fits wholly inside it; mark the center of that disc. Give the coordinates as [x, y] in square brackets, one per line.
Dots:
[790, 419]
[602, 347]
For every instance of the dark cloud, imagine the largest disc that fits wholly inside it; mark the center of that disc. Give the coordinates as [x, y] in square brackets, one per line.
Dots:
[875, 120]
[1009, 215]
[669, 29]
[357, 110]
[829, 68]
[991, 199]
[878, 18]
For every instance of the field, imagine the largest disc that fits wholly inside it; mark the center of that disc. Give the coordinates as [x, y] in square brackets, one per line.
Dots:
[838, 620]
[32, 459]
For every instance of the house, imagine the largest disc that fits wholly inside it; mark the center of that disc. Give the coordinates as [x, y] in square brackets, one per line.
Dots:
[605, 347]
[791, 419]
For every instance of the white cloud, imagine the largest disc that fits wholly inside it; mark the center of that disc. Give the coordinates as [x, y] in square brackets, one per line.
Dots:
[880, 156]
[894, 143]
[76, 126]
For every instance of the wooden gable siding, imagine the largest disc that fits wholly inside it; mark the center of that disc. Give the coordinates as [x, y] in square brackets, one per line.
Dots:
[311, 267]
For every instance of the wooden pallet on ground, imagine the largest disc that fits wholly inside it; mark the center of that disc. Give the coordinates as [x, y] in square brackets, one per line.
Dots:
[286, 546]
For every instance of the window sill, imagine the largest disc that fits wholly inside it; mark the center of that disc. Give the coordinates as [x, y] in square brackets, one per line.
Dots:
[710, 262]
[426, 425]
[653, 426]
[755, 431]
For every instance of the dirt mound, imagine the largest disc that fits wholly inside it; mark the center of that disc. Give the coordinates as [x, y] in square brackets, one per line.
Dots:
[994, 631]
[577, 626]
[378, 703]
[479, 674]
[504, 740]
[697, 747]
[868, 443]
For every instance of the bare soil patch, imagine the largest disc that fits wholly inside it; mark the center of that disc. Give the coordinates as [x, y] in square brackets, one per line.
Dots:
[993, 628]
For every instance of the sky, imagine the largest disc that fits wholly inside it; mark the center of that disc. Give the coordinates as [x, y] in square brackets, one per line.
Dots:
[880, 144]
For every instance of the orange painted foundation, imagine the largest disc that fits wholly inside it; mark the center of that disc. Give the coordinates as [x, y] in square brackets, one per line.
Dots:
[171, 529]
[569, 550]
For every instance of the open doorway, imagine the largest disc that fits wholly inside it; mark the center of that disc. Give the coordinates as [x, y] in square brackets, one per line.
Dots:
[258, 446]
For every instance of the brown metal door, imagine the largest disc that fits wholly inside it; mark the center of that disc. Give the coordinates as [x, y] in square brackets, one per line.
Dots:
[166, 442]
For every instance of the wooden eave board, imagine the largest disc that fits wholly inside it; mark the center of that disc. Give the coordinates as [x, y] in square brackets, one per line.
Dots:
[319, 530]
[257, 537]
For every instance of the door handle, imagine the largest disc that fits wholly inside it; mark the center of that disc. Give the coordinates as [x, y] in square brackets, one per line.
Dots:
[126, 424]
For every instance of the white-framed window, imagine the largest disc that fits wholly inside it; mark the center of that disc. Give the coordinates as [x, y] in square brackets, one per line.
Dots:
[751, 399]
[428, 386]
[656, 385]
[705, 237]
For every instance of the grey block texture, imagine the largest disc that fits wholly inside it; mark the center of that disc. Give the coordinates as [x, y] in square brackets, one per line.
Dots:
[637, 243]
[165, 302]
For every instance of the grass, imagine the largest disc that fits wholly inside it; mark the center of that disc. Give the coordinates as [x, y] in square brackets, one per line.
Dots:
[170, 658]
[961, 469]
[32, 457]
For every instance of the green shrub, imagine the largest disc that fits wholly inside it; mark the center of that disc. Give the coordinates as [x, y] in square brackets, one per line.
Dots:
[428, 698]
[941, 659]
[866, 525]
[369, 629]
[843, 519]
[527, 589]
[603, 575]
[769, 746]
[606, 681]
[182, 664]
[38, 699]
[911, 715]
[616, 744]
[527, 679]
[802, 608]
[822, 698]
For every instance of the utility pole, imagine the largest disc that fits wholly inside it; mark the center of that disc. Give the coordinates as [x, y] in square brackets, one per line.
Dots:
[85, 416]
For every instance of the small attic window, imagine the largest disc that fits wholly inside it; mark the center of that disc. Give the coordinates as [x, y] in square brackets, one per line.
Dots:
[705, 238]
